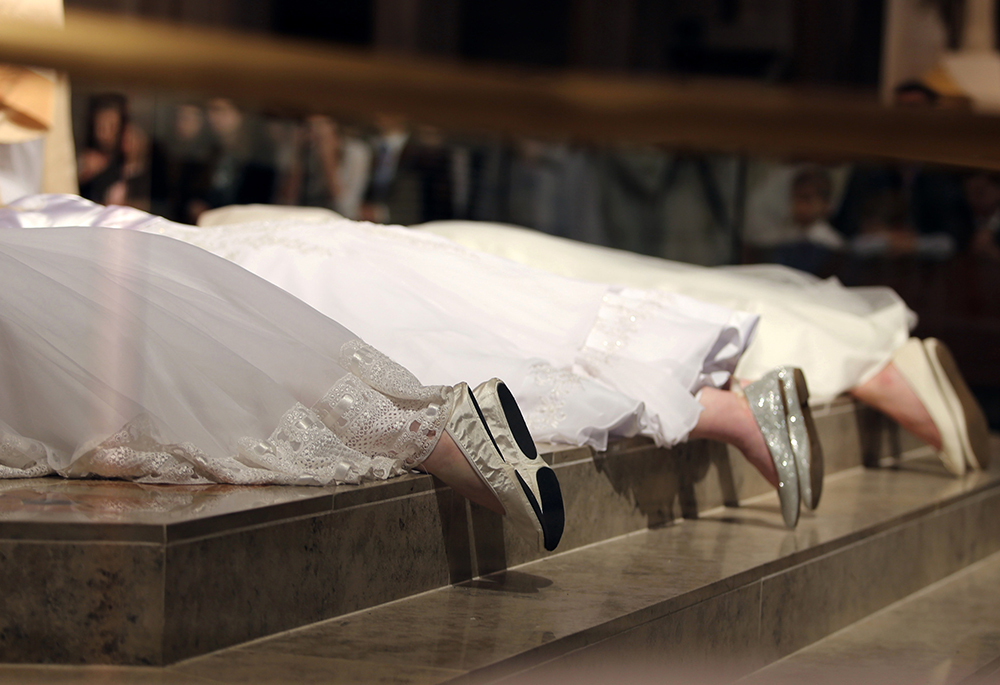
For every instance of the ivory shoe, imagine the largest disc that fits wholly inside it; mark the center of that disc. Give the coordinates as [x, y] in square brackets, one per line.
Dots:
[973, 429]
[913, 362]
[467, 427]
[513, 440]
[767, 404]
[802, 435]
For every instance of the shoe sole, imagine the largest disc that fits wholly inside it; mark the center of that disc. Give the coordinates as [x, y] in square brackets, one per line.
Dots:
[518, 427]
[550, 512]
[976, 439]
[816, 466]
[913, 362]
[777, 440]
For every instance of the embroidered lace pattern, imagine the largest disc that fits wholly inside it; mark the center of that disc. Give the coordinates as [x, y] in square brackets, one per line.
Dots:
[137, 452]
[373, 424]
[550, 411]
[20, 457]
[619, 318]
[381, 409]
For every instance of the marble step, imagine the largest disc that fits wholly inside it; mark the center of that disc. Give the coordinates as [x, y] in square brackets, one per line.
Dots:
[706, 600]
[718, 597]
[948, 633]
[110, 572]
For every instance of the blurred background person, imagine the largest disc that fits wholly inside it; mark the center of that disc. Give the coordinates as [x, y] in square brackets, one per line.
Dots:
[788, 217]
[133, 186]
[389, 197]
[906, 209]
[813, 243]
[982, 192]
[102, 158]
[329, 168]
[241, 168]
[180, 162]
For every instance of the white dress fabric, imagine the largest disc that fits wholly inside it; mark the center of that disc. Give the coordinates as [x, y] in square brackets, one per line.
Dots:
[585, 360]
[133, 356]
[839, 336]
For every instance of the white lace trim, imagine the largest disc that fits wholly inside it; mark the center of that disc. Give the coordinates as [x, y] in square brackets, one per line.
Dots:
[21, 457]
[373, 424]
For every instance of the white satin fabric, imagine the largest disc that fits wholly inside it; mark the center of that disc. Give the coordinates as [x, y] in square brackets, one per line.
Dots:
[585, 360]
[839, 336]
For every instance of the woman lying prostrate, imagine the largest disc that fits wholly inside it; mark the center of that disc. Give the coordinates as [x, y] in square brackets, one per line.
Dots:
[134, 356]
[585, 360]
[852, 340]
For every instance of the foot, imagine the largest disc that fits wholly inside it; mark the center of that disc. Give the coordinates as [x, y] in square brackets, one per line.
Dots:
[889, 393]
[726, 417]
[447, 463]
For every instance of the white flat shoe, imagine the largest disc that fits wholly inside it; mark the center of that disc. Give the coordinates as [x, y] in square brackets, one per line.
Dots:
[914, 364]
[538, 482]
[973, 429]
[802, 435]
[767, 404]
[467, 427]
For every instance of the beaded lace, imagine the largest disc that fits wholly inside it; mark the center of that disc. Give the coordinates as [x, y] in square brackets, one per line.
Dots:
[374, 423]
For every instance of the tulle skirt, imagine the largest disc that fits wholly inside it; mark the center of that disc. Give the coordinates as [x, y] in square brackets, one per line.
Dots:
[129, 355]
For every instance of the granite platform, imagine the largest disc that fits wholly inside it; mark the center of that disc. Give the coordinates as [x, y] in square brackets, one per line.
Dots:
[119, 573]
[946, 634]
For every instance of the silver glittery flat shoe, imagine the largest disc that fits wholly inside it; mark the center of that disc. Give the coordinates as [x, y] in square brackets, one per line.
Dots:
[513, 440]
[802, 435]
[767, 404]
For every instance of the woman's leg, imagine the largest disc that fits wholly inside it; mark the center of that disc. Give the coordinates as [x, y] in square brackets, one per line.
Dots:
[888, 392]
[726, 417]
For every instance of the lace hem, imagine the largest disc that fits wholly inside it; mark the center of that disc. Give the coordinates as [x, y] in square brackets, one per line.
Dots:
[371, 425]
[21, 457]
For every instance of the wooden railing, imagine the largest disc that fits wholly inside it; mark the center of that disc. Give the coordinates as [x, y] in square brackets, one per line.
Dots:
[698, 114]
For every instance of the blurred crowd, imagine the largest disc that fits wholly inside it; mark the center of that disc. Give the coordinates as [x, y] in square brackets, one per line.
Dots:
[813, 216]
[709, 209]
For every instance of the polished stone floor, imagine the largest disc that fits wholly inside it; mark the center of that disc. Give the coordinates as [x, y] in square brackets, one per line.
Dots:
[730, 591]
[947, 633]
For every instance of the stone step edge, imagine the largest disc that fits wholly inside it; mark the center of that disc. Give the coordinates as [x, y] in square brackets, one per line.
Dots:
[579, 641]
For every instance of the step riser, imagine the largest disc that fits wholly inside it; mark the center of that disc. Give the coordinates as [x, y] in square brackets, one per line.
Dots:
[742, 630]
[148, 603]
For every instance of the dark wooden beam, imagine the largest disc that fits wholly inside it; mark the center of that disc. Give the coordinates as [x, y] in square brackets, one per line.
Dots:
[696, 114]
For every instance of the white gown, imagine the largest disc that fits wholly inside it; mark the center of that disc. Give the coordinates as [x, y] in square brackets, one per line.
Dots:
[585, 360]
[839, 336]
[135, 356]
